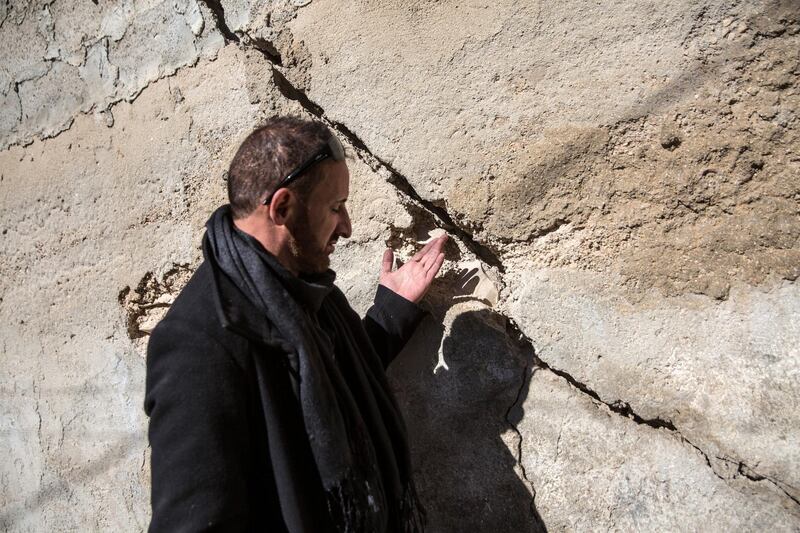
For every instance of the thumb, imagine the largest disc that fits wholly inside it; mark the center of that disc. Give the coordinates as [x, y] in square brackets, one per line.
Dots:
[388, 261]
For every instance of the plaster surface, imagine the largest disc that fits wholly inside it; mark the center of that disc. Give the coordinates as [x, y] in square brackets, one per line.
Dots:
[612, 343]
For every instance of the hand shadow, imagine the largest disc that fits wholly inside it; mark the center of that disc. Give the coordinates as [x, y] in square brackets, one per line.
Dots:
[460, 412]
[465, 282]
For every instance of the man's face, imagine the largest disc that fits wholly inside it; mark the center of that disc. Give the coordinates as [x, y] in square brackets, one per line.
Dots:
[317, 227]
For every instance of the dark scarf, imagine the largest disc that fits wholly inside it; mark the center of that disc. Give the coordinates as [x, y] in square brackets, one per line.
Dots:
[354, 427]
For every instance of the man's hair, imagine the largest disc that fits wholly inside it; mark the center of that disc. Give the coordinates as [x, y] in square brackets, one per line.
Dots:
[270, 153]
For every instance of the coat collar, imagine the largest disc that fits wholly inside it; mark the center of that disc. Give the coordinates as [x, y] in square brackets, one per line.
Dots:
[235, 312]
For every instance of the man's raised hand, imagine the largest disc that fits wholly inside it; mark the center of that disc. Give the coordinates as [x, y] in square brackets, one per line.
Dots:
[412, 280]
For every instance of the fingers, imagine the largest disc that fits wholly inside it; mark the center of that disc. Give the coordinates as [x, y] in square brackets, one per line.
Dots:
[431, 250]
[438, 243]
[388, 260]
[427, 259]
[419, 255]
[434, 268]
[466, 276]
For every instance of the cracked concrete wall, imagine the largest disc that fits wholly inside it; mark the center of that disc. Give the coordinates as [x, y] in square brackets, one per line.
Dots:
[614, 339]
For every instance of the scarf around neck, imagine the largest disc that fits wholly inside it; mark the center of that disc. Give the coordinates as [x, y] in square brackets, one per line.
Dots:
[352, 422]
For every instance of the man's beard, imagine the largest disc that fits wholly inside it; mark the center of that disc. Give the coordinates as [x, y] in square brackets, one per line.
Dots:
[308, 257]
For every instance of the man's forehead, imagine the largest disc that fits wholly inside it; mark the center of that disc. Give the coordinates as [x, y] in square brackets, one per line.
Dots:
[335, 184]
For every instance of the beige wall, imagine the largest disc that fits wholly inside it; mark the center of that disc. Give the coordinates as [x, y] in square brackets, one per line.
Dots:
[613, 343]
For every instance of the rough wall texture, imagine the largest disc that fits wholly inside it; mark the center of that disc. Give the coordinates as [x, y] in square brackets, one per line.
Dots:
[613, 343]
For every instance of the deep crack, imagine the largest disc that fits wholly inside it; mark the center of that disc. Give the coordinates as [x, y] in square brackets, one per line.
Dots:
[396, 178]
[292, 93]
[266, 47]
[624, 409]
[219, 17]
[527, 374]
[618, 406]
[744, 470]
[485, 253]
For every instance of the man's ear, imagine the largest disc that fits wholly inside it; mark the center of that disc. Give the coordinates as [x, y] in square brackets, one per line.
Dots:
[283, 203]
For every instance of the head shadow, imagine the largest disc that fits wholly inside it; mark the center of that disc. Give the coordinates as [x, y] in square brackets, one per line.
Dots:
[461, 382]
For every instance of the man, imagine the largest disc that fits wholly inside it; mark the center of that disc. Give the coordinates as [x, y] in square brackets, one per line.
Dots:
[268, 402]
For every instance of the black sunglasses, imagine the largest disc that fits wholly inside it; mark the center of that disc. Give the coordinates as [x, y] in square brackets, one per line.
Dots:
[333, 149]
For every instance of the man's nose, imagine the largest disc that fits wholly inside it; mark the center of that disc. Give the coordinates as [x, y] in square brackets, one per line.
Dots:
[344, 228]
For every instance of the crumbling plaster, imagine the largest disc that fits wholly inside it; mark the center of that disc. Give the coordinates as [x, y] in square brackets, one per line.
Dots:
[613, 342]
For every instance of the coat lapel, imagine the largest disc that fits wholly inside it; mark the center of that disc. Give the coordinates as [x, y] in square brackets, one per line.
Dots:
[236, 313]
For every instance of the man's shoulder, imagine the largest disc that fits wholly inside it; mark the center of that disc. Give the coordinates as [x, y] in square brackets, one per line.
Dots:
[212, 315]
[193, 317]
[196, 298]
[194, 306]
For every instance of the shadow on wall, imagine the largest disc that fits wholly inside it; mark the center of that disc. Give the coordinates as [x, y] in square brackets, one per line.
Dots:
[461, 419]
[116, 453]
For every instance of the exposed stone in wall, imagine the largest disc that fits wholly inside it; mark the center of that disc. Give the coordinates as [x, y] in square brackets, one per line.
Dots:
[698, 372]
[148, 302]
[60, 58]
[613, 341]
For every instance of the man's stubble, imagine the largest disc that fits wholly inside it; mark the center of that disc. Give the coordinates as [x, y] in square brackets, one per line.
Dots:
[309, 258]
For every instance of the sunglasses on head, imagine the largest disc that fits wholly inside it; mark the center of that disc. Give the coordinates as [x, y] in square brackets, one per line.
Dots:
[333, 149]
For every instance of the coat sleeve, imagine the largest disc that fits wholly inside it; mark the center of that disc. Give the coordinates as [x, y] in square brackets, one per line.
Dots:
[195, 398]
[390, 322]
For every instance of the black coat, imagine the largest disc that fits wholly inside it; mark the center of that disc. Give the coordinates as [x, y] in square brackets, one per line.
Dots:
[219, 454]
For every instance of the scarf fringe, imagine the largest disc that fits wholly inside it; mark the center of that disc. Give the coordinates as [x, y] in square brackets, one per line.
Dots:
[348, 504]
[412, 514]
[348, 501]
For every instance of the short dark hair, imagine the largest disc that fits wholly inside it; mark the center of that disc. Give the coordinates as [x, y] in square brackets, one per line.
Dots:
[267, 155]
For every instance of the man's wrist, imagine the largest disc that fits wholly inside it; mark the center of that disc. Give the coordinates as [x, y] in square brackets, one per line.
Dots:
[397, 314]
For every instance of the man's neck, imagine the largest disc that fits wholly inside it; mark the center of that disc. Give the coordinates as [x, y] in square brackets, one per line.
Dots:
[274, 241]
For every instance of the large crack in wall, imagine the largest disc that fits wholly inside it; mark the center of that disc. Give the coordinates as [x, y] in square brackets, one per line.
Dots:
[624, 409]
[159, 279]
[519, 452]
[447, 222]
[440, 214]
